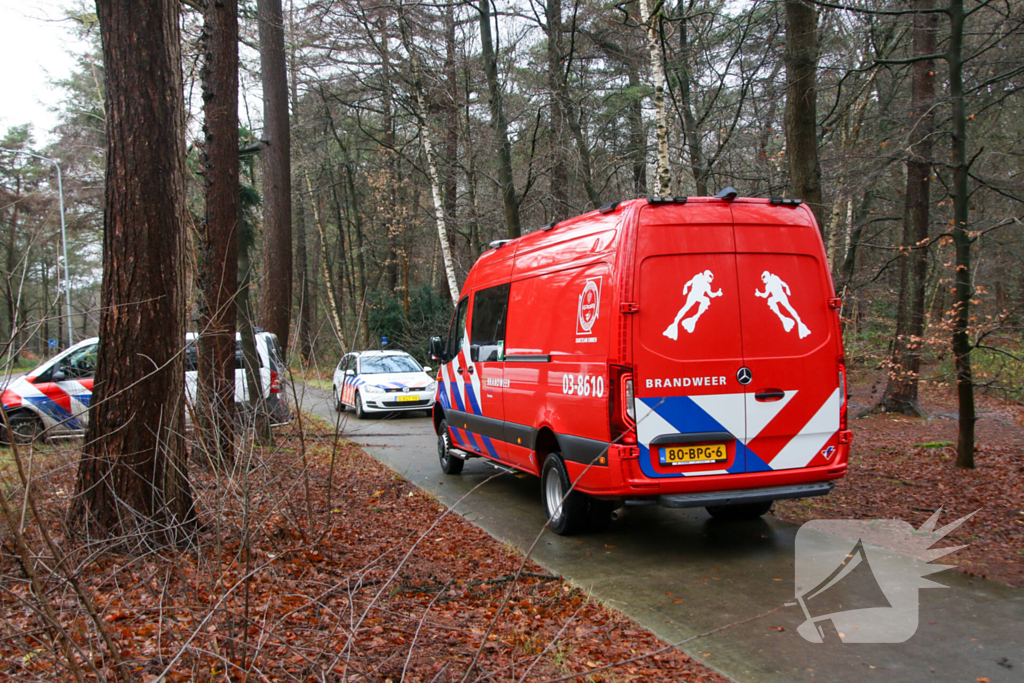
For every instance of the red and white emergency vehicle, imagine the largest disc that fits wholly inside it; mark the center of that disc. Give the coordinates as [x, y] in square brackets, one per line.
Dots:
[676, 351]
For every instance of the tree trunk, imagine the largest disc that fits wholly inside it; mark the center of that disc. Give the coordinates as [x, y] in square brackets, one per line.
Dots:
[306, 301]
[690, 132]
[961, 241]
[277, 183]
[905, 365]
[801, 105]
[218, 267]
[328, 272]
[556, 123]
[428, 151]
[500, 125]
[451, 152]
[262, 433]
[652, 24]
[133, 475]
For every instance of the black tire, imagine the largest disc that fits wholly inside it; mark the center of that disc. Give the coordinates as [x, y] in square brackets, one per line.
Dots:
[25, 426]
[358, 401]
[450, 464]
[600, 514]
[572, 515]
[739, 513]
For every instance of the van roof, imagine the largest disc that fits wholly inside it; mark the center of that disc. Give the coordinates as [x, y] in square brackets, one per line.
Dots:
[499, 250]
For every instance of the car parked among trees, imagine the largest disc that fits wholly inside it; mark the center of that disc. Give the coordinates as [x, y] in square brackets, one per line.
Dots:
[382, 381]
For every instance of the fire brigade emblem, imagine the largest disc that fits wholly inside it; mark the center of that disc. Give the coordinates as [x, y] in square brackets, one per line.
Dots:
[589, 306]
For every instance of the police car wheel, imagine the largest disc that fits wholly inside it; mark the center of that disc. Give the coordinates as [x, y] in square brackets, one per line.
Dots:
[25, 426]
[450, 464]
[568, 513]
[737, 513]
[360, 412]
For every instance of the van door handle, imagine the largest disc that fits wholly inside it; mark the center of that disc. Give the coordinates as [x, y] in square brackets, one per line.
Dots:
[470, 369]
[770, 395]
[459, 371]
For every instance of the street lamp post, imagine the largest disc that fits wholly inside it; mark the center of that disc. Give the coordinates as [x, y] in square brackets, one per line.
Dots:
[63, 235]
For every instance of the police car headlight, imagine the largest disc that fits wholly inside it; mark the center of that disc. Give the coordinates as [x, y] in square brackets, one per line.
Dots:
[373, 389]
[431, 387]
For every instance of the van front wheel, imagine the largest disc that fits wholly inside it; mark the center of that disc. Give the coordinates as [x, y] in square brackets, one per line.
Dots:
[450, 464]
[737, 513]
[568, 513]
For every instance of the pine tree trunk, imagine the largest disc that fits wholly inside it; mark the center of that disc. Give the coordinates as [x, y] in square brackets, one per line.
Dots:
[133, 475]
[328, 272]
[277, 181]
[652, 24]
[218, 267]
[905, 365]
[690, 132]
[500, 125]
[801, 105]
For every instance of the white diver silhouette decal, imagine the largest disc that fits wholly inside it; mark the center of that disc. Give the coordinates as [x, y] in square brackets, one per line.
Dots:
[697, 291]
[777, 292]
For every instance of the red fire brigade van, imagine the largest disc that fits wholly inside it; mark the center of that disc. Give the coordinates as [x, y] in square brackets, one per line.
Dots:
[677, 351]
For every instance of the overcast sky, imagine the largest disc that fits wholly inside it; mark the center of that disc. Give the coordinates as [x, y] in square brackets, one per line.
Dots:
[35, 41]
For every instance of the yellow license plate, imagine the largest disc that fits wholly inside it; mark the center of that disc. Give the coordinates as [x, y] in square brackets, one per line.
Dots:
[406, 399]
[693, 455]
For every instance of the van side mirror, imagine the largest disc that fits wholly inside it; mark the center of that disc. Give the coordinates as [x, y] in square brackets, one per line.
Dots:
[436, 349]
[58, 374]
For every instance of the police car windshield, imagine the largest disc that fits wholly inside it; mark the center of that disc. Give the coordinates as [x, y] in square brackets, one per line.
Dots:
[377, 365]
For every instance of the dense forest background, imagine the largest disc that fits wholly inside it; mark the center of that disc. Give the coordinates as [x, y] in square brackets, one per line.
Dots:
[588, 92]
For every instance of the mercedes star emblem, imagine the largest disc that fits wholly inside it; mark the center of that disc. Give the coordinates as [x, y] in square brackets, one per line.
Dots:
[743, 376]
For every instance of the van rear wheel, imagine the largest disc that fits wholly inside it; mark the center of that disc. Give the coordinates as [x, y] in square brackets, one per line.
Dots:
[737, 513]
[568, 513]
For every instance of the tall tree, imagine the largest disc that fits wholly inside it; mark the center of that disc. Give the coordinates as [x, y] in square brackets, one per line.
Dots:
[652, 24]
[905, 364]
[801, 104]
[556, 119]
[500, 124]
[133, 474]
[218, 262]
[277, 179]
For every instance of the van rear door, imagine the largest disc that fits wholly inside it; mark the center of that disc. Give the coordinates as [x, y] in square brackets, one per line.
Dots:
[687, 342]
[790, 337]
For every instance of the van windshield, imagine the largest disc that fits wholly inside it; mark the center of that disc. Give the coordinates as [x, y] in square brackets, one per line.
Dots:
[381, 364]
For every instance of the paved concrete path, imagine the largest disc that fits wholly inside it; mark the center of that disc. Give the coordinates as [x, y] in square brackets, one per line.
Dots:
[679, 573]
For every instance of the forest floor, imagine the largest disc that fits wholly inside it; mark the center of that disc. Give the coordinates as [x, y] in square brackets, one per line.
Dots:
[321, 564]
[903, 467]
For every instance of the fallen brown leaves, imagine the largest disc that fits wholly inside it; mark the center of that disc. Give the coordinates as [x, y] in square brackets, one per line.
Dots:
[903, 468]
[378, 585]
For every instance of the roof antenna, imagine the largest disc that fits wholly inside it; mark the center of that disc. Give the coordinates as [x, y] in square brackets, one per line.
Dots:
[728, 194]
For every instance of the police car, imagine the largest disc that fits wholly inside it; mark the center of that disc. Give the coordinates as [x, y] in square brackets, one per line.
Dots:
[53, 399]
[382, 381]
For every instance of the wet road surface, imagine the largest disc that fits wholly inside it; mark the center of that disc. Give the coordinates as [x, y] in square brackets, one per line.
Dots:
[679, 574]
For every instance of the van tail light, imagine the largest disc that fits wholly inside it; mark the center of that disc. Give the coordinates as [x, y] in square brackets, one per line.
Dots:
[275, 382]
[842, 397]
[621, 413]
